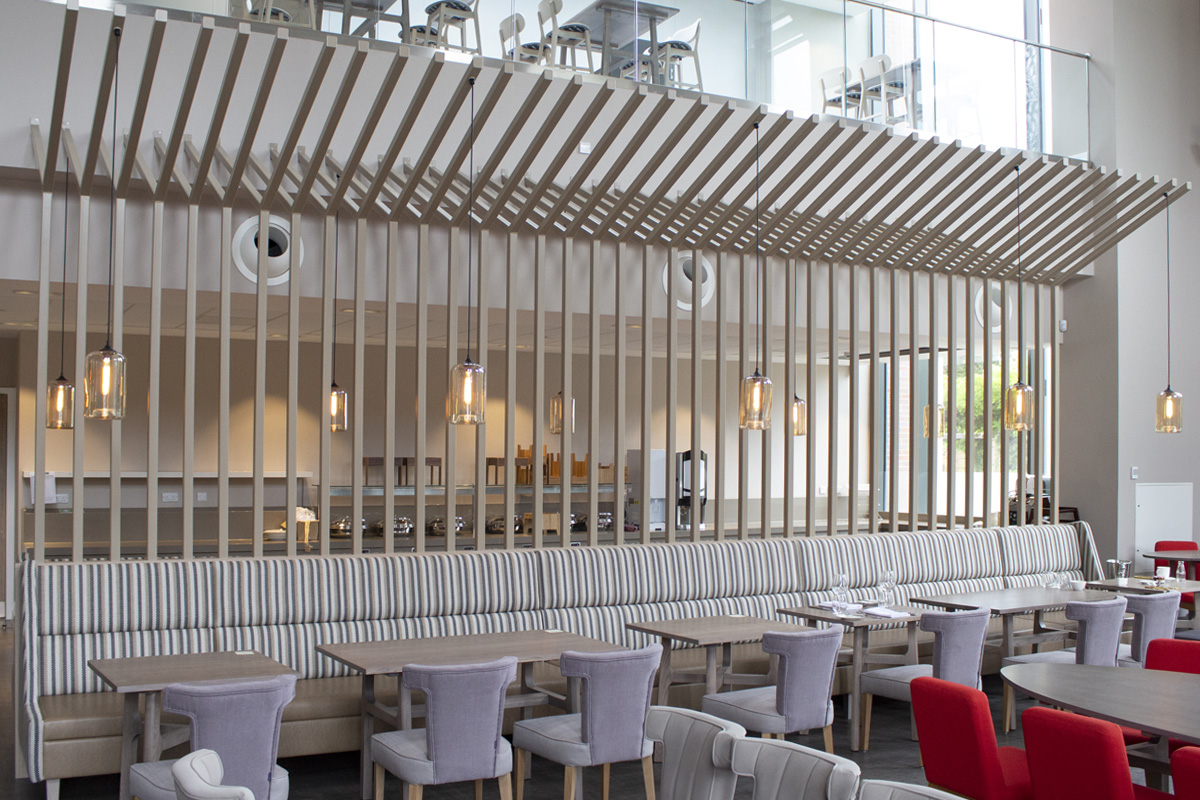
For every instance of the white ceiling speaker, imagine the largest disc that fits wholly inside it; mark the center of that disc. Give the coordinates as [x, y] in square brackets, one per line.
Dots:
[1000, 309]
[683, 281]
[279, 249]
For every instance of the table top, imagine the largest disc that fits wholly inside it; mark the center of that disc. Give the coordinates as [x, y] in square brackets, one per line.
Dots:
[1173, 555]
[1017, 600]
[1135, 586]
[389, 657]
[705, 631]
[154, 673]
[1155, 701]
[593, 15]
[818, 614]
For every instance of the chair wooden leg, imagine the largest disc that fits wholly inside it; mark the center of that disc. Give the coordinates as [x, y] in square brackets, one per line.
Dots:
[648, 776]
[415, 791]
[867, 700]
[505, 783]
[604, 776]
[829, 739]
[570, 774]
[1006, 707]
[519, 772]
[479, 789]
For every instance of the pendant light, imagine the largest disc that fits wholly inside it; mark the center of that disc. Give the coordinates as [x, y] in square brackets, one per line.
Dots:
[799, 408]
[60, 395]
[468, 381]
[1169, 418]
[754, 406]
[338, 408]
[556, 413]
[1018, 399]
[104, 369]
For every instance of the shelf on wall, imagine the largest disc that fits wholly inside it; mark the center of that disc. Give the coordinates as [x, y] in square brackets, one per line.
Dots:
[491, 490]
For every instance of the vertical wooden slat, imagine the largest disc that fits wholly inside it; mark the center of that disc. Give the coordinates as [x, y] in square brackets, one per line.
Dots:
[988, 441]
[1022, 437]
[260, 389]
[450, 476]
[766, 437]
[421, 400]
[789, 387]
[77, 440]
[952, 401]
[721, 411]
[189, 381]
[328, 317]
[155, 380]
[744, 344]
[831, 493]
[510, 396]
[810, 394]
[647, 394]
[969, 403]
[1005, 380]
[357, 423]
[873, 410]
[931, 492]
[593, 457]
[223, 393]
[480, 430]
[291, 490]
[115, 431]
[1039, 406]
[1056, 402]
[620, 384]
[43, 380]
[853, 439]
[539, 390]
[914, 407]
[567, 454]
[893, 439]
[696, 508]
[672, 377]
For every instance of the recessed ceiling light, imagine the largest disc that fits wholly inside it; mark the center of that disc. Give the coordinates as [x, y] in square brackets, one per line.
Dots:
[24, 291]
[347, 310]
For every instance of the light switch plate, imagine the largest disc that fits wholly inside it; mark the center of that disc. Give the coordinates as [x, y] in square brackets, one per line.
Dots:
[1133, 473]
[170, 497]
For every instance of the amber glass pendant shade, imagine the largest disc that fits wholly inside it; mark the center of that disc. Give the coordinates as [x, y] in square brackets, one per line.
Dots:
[799, 417]
[338, 413]
[754, 406]
[556, 413]
[60, 404]
[1018, 407]
[104, 384]
[468, 394]
[1169, 418]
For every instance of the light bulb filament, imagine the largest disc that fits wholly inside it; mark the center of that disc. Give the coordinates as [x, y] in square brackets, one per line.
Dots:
[106, 377]
[467, 389]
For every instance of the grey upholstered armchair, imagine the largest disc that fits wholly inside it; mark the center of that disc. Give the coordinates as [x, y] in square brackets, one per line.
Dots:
[1154, 617]
[697, 753]
[890, 790]
[787, 771]
[801, 698]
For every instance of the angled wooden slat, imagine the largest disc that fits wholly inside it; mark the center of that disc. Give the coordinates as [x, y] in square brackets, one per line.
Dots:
[450, 113]
[186, 97]
[219, 109]
[66, 50]
[175, 173]
[227, 162]
[142, 103]
[238, 167]
[96, 139]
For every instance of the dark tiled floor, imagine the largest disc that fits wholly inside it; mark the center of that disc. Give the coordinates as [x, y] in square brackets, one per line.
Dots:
[892, 756]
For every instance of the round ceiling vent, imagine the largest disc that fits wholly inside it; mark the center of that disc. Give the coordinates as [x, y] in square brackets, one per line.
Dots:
[279, 244]
[999, 310]
[684, 270]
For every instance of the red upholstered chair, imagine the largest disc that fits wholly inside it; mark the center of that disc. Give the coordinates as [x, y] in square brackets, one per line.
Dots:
[1072, 757]
[1185, 773]
[958, 743]
[1187, 599]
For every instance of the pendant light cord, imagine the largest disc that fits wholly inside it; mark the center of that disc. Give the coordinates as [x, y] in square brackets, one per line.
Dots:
[112, 189]
[1168, 204]
[1020, 289]
[757, 255]
[470, 212]
[62, 330]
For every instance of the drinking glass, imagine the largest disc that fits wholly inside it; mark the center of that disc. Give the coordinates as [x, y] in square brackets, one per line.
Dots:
[841, 591]
[1180, 572]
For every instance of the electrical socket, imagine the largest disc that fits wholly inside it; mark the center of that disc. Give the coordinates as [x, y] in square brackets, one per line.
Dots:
[1133, 473]
[170, 497]
[201, 497]
[61, 499]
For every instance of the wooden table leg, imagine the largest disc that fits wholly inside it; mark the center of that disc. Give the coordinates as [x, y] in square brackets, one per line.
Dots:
[859, 649]
[152, 727]
[129, 735]
[664, 673]
[606, 48]
[912, 655]
[367, 776]
[654, 76]
[712, 683]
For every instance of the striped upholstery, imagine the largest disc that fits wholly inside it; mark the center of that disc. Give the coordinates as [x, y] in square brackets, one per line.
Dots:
[285, 607]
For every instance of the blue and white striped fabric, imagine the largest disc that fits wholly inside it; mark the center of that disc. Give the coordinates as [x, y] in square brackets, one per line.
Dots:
[1037, 549]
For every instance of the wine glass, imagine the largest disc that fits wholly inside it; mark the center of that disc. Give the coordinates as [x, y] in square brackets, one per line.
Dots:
[841, 591]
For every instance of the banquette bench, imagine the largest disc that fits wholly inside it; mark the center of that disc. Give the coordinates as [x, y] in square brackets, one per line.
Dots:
[70, 613]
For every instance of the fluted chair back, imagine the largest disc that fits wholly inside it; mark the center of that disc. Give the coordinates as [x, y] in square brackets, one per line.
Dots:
[697, 749]
[891, 790]
[786, 771]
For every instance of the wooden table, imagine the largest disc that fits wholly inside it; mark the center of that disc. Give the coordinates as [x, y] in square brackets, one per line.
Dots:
[1135, 586]
[1164, 704]
[717, 635]
[149, 675]
[860, 655]
[1173, 555]
[645, 16]
[373, 659]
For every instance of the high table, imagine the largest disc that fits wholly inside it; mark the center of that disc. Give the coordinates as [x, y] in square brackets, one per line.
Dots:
[716, 635]
[149, 675]
[372, 659]
[860, 627]
[1165, 704]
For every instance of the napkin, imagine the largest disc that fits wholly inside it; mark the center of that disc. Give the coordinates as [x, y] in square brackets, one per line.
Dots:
[888, 613]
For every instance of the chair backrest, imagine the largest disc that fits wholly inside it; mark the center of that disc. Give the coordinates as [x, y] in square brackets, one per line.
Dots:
[783, 770]
[198, 776]
[957, 643]
[697, 753]
[1173, 655]
[957, 737]
[510, 29]
[833, 81]
[807, 660]
[1176, 544]
[689, 35]
[1071, 755]
[616, 693]
[1185, 772]
[875, 66]
[1099, 630]
[548, 11]
[464, 709]
[891, 790]
[1154, 617]
[239, 720]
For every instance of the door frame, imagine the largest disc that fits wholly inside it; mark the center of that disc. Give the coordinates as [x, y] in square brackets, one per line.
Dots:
[7, 605]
